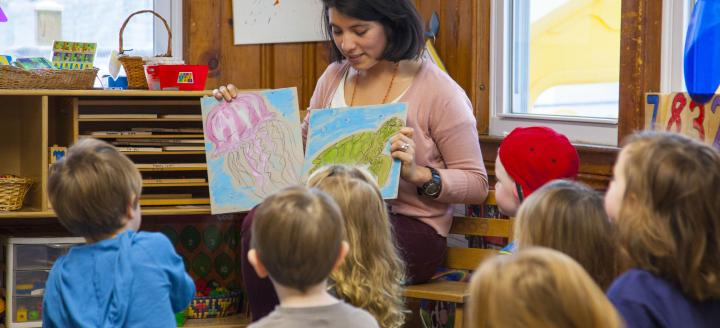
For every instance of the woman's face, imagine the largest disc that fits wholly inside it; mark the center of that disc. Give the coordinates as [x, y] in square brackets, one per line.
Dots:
[616, 191]
[361, 42]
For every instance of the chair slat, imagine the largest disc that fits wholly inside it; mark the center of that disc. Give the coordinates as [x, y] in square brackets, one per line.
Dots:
[472, 226]
[448, 291]
[467, 258]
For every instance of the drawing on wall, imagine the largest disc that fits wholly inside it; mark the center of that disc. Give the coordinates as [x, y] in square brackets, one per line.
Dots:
[275, 21]
[253, 147]
[357, 136]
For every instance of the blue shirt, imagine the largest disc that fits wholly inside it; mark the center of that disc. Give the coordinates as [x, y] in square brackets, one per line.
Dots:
[133, 280]
[646, 300]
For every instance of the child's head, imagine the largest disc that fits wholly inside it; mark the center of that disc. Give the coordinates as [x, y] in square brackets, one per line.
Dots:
[664, 198]
[373, 273]
[527, 159]
[95, 190]
[568, 216]
[537, 287]
[297, 238]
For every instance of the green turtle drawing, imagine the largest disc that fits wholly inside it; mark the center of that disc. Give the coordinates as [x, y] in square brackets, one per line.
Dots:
[362, 148]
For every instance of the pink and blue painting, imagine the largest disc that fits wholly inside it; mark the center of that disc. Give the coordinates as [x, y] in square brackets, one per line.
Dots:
[3, 17]
[253, 147]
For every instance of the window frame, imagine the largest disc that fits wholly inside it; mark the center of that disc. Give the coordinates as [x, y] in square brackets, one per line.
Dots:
[502, 120]
[675, 17]
[171, 10]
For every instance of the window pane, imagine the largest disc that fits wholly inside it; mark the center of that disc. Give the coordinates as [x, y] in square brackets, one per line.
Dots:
[33, 25]
[566, 57]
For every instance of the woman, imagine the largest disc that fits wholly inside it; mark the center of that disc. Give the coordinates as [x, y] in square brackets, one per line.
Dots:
[376, 50]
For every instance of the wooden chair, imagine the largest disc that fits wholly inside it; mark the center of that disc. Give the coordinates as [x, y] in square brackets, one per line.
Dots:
[463, 258]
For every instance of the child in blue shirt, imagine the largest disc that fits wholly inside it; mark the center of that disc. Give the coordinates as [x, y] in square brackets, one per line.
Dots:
[121, 277]
[664, 199]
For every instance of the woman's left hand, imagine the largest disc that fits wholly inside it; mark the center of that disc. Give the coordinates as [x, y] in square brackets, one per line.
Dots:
[402, 147]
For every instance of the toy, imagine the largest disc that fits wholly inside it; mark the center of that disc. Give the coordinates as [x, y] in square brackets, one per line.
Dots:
[23, 289]
[21, 314]
[33, 315]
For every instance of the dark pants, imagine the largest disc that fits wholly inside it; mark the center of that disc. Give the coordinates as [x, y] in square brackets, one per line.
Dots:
[422, 249]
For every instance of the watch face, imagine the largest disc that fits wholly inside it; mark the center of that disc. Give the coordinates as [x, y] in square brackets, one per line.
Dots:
[432, 189]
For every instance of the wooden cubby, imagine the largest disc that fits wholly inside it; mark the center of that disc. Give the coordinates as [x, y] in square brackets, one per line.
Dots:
[34, 120]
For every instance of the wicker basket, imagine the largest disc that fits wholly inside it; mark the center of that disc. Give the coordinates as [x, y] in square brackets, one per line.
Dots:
[134, 65]
[17, 78]
[12, 192]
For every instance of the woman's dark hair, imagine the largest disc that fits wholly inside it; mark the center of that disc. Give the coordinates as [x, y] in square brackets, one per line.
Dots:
[400, 19]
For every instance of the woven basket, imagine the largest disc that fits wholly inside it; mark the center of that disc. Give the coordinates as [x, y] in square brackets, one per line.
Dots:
[17, 78]
[134, 65]
[12, 192]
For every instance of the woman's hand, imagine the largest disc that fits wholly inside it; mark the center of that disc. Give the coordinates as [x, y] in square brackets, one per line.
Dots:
[228, 92]
[402, 147]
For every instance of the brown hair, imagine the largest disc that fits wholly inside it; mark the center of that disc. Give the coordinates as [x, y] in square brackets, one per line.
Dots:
[373, 273]
[91, 188]
[569, 216]
[669, 219]
[537, 287]
[297, 234]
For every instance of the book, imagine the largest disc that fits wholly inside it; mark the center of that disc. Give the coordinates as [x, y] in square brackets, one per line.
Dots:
[166, 196]
[188, 116]
[125, 116]
[165, 142]
[173, 180]
[33, 63]
[119, 133]
[138, 149]
[170, 165]
[183, 148]
[169, 130]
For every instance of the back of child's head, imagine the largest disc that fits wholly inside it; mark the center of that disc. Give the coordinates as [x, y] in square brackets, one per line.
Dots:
[297, 234]
[536, 155]
[569, 216]
[372, 274]
[537, 287]
[669, 214]
[91, 188]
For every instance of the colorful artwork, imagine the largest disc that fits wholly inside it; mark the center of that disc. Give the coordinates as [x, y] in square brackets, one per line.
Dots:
[253, 147]
[357, 136]
[33, 63]
[3, 18]
[73, 55]
[677, 112]
[273, 21]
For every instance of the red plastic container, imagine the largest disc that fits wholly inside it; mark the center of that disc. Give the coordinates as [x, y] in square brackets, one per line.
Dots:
[176, 77]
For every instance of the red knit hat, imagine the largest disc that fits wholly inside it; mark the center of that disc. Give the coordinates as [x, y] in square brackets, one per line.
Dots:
[536, 155]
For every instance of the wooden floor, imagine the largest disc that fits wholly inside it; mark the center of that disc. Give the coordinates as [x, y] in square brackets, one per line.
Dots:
[235, 321]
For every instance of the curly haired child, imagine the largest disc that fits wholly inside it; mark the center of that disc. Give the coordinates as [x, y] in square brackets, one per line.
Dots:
[665, 200]
[569, 216]
[537, 287]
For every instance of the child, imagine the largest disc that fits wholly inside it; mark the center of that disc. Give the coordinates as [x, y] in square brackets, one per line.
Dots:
[121, 277]
[372, 275]
[569, 217]
[527, 159]
[664, 199]
[297, 240]
[537, 287]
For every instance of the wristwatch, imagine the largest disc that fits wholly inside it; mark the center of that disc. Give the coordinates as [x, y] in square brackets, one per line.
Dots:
[433, 187]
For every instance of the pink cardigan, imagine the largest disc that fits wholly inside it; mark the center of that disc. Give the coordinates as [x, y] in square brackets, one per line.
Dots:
[445, 138]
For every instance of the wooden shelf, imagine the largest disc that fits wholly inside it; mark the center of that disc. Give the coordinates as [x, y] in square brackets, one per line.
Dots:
[105, 93]
[194, 152]
[227, 322]
[145, 102]
[174, 201]
[152, 136]
[192, 184]
[173, 169]
[33, 213]
[139, 120]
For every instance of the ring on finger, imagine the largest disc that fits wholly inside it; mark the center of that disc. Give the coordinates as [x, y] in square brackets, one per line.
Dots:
[405, 147]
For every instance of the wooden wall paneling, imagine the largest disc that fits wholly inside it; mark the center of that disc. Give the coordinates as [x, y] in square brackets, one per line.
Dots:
[201, 36]
[288, 67]
[241, 65]
[640, 30]
[480, 95]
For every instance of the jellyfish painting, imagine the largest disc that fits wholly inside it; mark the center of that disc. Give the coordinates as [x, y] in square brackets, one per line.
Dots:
[262, 154]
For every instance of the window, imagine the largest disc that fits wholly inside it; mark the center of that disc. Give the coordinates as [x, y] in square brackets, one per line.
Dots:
[33, 25]
[556, 63]
[676, 15]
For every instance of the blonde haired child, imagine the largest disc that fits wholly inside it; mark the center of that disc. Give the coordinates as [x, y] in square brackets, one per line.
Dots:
[373, 273]
[665, 200]
[537, 287]
[569, 216]
[121, 277]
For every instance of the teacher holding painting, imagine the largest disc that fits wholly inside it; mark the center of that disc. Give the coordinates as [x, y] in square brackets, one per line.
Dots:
[376, 59]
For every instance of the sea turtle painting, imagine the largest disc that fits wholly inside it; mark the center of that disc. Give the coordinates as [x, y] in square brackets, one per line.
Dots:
[362, 148]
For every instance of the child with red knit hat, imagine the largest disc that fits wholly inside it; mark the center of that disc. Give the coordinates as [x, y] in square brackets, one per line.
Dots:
[527, 159]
